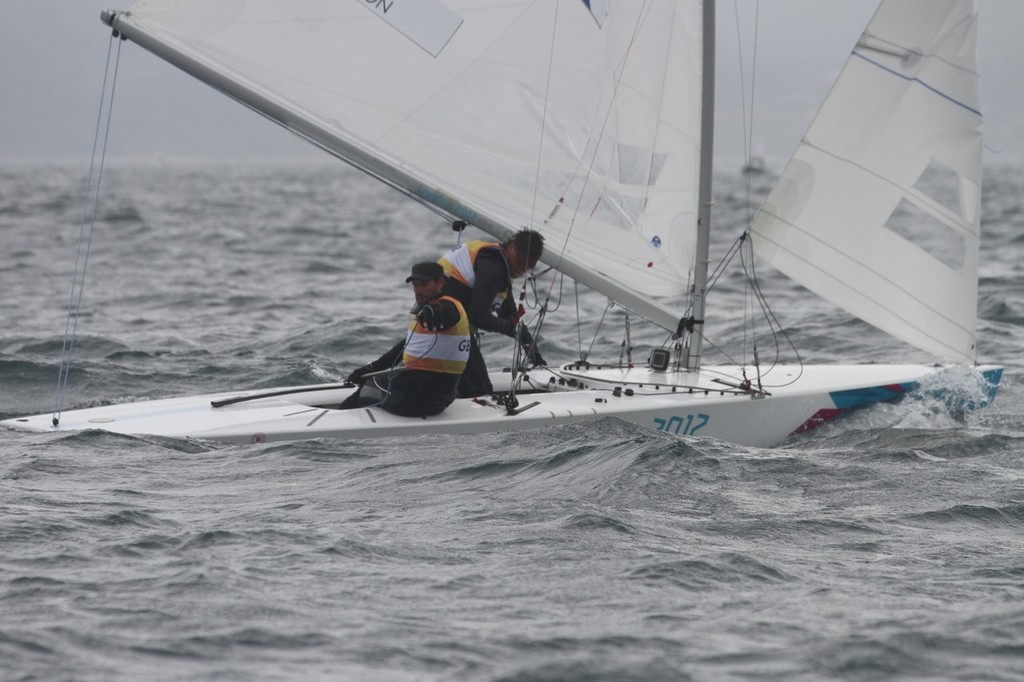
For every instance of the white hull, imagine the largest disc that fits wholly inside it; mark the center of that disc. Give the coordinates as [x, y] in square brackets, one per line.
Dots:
[705, 405]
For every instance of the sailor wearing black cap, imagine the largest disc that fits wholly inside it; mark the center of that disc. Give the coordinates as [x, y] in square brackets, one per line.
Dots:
[418, 376]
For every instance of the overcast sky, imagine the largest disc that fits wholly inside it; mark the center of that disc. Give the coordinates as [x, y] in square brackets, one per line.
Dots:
[52, 55]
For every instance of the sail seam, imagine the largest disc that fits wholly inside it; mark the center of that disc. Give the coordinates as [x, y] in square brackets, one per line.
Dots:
[915, 79]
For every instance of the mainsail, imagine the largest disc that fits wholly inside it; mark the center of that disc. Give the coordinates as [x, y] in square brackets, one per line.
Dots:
[579, 118]
[879, 209]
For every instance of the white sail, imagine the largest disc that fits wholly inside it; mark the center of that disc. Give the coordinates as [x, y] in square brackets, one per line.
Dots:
[579, 119]
[878, 210]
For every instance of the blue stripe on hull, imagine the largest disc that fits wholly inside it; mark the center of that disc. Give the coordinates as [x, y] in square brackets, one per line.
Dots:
[862, 397]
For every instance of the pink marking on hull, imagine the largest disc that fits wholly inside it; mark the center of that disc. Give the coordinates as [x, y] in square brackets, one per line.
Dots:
[820, 417]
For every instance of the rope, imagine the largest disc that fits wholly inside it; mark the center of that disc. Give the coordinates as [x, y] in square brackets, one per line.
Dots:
[579, 322]
[744, 247]
[598, 330]
[511, 403]
[773, 322]
[627, 346]
[85, 242]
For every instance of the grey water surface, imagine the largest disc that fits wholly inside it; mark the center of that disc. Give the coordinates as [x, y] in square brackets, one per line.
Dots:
[886, 546]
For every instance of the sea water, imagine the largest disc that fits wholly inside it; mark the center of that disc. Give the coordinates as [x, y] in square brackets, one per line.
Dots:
[889, 545]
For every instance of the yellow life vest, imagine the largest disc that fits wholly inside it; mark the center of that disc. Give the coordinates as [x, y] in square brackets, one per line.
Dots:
[459, 265]
[444, 351]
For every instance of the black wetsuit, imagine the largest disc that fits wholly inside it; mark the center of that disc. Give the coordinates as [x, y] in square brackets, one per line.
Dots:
[492, 278]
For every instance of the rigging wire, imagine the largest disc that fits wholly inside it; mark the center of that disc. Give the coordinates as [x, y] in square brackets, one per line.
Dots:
[627, 346]
[579, 322]
[517, 350]
[544, 117]
[752, 290]
[745, 245]
[88, 216]
[774, 325]
[748, 120]
[749, 136]
[599, 324]
[744, 249]
[748, 117]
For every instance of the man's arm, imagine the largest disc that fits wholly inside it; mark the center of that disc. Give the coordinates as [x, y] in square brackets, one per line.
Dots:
[389, 358]
[491, 280]
[385, 361]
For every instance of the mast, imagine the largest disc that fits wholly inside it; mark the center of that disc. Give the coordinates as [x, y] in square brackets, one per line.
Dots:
[707, 138]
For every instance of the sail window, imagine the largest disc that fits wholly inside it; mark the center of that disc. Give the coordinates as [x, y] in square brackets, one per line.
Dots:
[638, 166]
[928, 233]
[941, 183]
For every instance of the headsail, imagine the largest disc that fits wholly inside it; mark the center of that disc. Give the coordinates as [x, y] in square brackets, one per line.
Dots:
[580, 119]
[879, 209]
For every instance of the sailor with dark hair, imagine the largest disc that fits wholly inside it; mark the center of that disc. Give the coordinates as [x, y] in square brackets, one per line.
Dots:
[427, 365]
[480, 275]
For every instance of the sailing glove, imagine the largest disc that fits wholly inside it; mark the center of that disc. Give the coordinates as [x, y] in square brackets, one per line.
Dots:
[356, 377]
[508, 326]
[526, 341]
[431, 317]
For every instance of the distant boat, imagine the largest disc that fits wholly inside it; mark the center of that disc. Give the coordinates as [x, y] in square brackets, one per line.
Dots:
[583, 120]
[755, 166]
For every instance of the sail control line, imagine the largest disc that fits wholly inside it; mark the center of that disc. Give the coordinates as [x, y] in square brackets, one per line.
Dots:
[520, 350]
[91, 201]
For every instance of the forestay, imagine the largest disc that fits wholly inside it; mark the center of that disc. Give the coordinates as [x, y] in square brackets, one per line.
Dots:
[878, 211]
[578, 118]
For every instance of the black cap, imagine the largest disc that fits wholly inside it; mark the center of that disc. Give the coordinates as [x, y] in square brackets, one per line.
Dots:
[426, 271]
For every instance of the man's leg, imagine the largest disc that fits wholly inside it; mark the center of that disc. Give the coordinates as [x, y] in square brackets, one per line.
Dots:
[475, 381]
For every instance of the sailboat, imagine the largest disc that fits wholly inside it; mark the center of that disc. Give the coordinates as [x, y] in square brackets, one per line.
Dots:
[592, 122]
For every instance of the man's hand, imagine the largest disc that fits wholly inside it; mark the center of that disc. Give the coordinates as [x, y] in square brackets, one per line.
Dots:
[356, 377]
[430, 317]
[530, 346]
